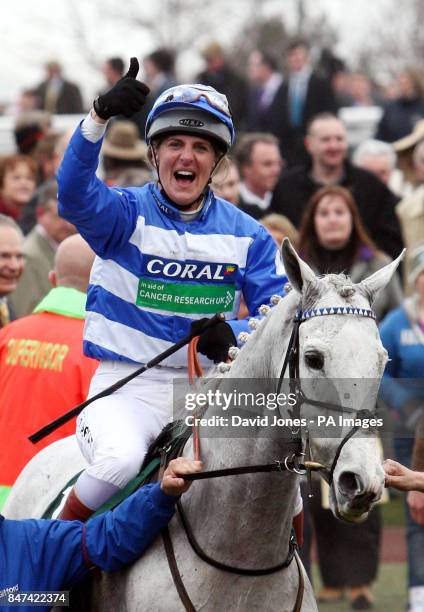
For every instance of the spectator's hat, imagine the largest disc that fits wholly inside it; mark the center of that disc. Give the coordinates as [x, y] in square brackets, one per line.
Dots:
[409, 142]
[30, 127]
[416, 264]
[405, 149]
[122, 142]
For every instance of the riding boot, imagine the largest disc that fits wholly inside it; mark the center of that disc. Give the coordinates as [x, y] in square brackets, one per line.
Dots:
[74, 509]
[298, 528]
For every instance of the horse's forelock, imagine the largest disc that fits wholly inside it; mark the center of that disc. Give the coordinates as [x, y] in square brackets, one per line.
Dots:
[340, 283]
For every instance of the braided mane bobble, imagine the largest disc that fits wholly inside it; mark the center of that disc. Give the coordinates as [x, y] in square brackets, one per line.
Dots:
[264, 310]
[233, 352]
[243, 337]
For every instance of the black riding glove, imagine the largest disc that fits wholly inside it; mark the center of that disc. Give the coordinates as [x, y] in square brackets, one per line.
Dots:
[126, 97]
[215, 342]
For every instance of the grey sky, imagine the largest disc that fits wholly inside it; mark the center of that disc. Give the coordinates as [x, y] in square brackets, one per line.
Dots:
[33, 32]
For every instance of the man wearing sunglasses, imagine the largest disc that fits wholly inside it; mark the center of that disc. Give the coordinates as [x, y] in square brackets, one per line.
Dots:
[168, 254]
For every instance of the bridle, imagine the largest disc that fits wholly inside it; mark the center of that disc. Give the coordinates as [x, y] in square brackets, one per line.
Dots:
[293, 462]
[292, 359]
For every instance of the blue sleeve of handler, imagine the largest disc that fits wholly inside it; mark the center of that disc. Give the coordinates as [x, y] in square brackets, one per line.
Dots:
[41, 555]
[262, 279]
[118, 538]
[105, 217]
[51, 555]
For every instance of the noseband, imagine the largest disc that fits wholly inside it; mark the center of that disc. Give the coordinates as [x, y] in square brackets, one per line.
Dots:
[292, 361]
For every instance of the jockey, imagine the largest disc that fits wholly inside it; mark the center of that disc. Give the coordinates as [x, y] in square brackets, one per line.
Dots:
[52, 555]
[168, 254]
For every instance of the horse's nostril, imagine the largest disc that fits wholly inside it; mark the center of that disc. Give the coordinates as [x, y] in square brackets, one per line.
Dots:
[350, 483]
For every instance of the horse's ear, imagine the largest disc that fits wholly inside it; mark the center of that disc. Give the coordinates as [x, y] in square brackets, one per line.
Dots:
[298, 272]
[373, 284]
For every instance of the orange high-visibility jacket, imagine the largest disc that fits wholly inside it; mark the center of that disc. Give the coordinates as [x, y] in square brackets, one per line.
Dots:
[43, 373]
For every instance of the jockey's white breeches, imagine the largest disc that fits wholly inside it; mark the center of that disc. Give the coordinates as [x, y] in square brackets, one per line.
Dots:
[115, 432]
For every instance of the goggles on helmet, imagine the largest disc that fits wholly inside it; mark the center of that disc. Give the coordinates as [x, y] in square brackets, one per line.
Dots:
[193, 93]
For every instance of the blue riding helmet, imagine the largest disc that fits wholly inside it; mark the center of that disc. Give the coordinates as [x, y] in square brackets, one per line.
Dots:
[195, 109]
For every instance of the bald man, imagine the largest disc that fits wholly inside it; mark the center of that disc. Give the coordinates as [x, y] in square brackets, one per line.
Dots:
[43, 372]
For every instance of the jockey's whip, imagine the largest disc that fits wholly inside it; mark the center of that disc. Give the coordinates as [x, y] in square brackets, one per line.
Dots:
[47, 429]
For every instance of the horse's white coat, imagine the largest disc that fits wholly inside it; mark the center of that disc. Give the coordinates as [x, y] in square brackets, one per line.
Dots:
[245, 520]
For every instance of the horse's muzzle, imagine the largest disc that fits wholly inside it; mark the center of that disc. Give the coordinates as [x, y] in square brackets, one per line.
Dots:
[352, 498]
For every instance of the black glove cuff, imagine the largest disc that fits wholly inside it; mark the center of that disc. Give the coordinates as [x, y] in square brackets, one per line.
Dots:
[100, 110]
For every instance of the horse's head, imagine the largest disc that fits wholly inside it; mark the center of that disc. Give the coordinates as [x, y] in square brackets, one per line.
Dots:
[341, 361]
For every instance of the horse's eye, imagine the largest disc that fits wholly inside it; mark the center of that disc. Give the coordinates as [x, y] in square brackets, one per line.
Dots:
[314, 360]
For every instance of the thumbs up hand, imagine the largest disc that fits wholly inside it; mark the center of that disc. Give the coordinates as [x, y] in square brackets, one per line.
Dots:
[125, 98]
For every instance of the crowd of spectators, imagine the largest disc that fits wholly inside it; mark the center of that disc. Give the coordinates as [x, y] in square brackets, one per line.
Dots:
[291, 168]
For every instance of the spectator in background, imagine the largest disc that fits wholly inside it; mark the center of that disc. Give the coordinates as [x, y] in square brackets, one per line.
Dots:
[302, 95]
[48, 164]
[340, 82]
[57, 95]
[326, 144]
[122, 149]
[410, 209]
[18, 175]
[411, 159]
[30, 128]
[361, 90]
[226, 182]
[401, 114]
[11, 263]
[39, 248]
[377, 157]
[333, 240]
[113, 70]
[159, 75]
[45, 156]
[265, 80]
[402, 334]
[43, 352]
[26, 101]
[280, 227]
[220, 75]
[259, 161]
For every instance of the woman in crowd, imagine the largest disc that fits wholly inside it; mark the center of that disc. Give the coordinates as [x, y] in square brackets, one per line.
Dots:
[402, 389]
[18, 175]
[333, 240]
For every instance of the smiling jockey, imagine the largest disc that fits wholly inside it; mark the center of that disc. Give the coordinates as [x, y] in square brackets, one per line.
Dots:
[168, 254]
